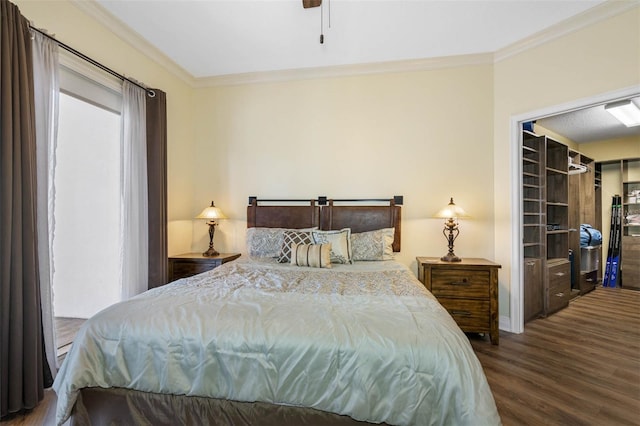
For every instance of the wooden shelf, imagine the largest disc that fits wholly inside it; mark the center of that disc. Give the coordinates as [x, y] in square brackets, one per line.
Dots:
[546, 200]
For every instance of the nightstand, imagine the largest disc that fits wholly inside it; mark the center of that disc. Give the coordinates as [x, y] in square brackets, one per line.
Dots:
[467, 289]
[188, 264]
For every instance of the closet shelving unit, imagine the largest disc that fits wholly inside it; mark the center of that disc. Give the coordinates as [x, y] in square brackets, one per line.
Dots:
[533, 223]
[585, 265]
[625, 175]
[545, 197]
[558, 268]
[631, 224]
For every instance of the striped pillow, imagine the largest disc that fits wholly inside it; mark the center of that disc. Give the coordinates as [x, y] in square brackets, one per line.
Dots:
[313, 255]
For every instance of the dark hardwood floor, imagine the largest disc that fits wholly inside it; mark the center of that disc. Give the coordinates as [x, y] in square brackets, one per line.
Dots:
[66, 329]
[580, 366]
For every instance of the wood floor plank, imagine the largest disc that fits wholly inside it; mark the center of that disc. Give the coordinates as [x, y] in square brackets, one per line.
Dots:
[580, 366]
[42, 415]
[66, 329]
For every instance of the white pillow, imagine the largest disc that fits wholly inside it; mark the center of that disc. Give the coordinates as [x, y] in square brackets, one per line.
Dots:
[340, 243]
[373, 245]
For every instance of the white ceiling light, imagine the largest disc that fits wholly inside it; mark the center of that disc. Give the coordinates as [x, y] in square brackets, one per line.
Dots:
[625, 111]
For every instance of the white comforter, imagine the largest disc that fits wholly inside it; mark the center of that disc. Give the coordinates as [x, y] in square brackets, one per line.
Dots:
[364, 340]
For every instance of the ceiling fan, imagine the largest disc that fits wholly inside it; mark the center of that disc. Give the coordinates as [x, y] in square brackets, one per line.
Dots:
[311, 3]
[315, 3]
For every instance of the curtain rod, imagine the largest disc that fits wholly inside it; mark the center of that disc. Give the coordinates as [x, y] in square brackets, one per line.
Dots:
[93, 62]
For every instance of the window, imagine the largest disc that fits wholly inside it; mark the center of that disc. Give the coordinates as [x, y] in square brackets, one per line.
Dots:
[87, 201]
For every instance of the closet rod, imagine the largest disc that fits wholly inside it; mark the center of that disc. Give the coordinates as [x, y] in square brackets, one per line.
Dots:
[93, 62]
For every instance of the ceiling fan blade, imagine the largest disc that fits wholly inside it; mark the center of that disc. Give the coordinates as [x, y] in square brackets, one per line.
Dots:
[311, 3]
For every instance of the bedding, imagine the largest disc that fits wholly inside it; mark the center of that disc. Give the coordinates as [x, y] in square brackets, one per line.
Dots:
[373, 245]
[313, 255]
[267, 242]
[340, 241]
[292, 237]
[364, 340]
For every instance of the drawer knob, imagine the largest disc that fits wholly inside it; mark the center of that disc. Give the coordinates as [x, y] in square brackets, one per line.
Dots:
[560, 274]
[463, 282]
[559, 294]
[531, 263]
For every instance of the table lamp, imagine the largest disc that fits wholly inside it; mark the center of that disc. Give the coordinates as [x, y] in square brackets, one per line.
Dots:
[211, 213]
[451, 213]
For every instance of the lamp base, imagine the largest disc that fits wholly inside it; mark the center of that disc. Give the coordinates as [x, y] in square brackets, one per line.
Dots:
[450, 257]
[210, 253]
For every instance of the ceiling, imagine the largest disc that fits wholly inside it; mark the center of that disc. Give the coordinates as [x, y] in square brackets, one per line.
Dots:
[214, 38]
[221, 37]
[590, 125]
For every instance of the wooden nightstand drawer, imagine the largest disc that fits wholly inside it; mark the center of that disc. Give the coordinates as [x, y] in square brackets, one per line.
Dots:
[184, 268]
[470, 315]
[460, 283]
[186, 265]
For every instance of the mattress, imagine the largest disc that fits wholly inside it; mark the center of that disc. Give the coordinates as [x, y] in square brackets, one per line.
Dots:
[366, 341]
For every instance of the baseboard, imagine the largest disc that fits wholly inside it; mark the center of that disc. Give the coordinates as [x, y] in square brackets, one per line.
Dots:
[505, 323]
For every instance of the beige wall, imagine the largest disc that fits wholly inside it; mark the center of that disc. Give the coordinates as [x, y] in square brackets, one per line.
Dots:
[424, 135]
[385, 134]
[539, 130]
[427, 135]
[596, 59]
[612, 149]
[603, 150]
[75, 28]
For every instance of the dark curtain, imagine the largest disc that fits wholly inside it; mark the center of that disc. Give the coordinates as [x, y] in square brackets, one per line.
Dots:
[21, 347]
[157, 183]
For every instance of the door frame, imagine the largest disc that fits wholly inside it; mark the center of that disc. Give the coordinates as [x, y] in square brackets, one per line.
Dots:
[516, 295]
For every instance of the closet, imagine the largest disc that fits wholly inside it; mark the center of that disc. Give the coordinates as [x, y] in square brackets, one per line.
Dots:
[625, 174]
[559, 193]
[584, 196]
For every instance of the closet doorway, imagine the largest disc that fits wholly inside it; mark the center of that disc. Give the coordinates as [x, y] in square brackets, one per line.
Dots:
[551, 117]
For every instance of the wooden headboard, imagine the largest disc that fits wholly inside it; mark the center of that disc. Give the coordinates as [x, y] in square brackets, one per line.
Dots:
[360, 215]
[295, 214]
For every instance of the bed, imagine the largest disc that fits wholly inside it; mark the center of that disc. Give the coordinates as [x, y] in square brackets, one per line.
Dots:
[316, 325]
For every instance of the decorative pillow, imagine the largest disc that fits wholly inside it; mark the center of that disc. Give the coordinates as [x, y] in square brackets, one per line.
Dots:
[373, 245]
[313, 255]
[291, 237]
[266, 242]
[340, 243]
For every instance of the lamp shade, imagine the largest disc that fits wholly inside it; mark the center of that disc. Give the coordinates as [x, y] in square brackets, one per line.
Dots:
[451, 210]
[212, 212]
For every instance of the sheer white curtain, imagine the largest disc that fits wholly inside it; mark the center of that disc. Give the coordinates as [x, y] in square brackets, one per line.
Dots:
[46, 85]
[134, 253]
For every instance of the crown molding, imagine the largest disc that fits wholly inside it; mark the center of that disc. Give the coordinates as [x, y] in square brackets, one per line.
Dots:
[589, 17]
[347, 70]
[126, 34]
[596, 14]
